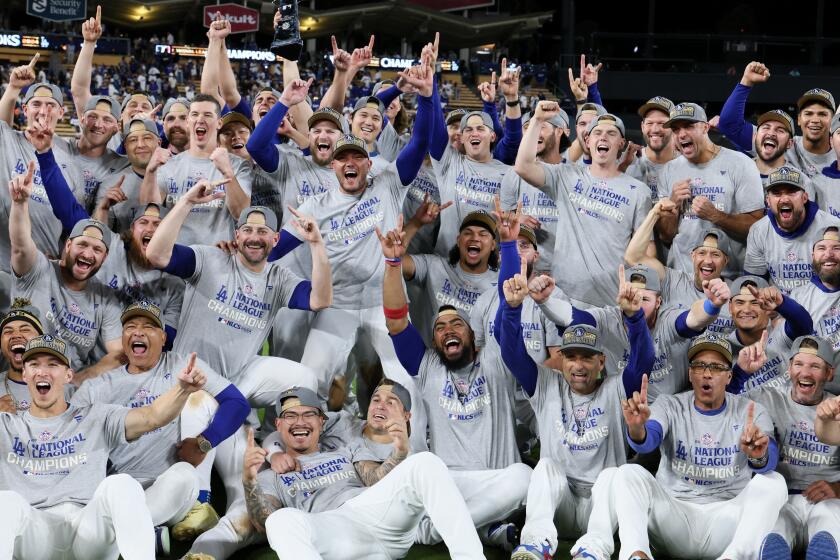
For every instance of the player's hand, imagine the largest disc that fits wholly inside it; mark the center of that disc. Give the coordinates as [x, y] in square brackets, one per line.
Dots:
[221, 159]
[588, 72]
[150, 115]
[22, 76]
[361, 57]
[92, 28]
[714, 121]
[191, 379]
[295, 92]
[432, 50]
[717, 291]
[398, 431]
[488, 89]
[7, 404]
[254, 458]
[630, 154]
[283, 463]
[829, 410]
[420, 77]
[768, 298]
[755, 73]
[219, 29]
[507, 221]
[306, 227]
[579, 89]
[753, 441]
[751, 358]
[40, 134]
[114, 195]
[541, 287]
[159, 157]
[530, 221]
[229, 247]
[704, 209]
[202, 193]
[341, 58]
[509, 82]
[821, 490]
[546, 110]
[393, 242]
[663, 207]
[629, 299]
[429, 211]
[189, 451]
[20, 187]
[680, 192]
[636, 410]
[516, 288]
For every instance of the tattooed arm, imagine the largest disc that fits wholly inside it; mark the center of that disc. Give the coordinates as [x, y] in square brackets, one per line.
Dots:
[372, 472]
[260, 505]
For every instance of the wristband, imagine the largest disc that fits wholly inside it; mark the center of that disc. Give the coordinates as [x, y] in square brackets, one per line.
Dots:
[393, 262]
[512, 103]
[710, 308]
[398, 313]
[760, 462]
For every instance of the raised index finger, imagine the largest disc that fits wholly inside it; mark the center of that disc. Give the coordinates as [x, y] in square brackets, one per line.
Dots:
[582, 63]
[334, 44]
[523, 267]
[30, 170]
[370, 44]
[191, 362]
[750, 413]
[764, 339]
[643, 392]
[251, 442]
[35, 58]
[98, 15]
[621, 280]
[437, 40]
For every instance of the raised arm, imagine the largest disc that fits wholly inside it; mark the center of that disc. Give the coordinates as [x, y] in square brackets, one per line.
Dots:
[411, 157]
[24, 251]
[636, 252]
[827, 425]
[371, 472]
[732, 123]
[236, 198]
[149, 191]
[211, 74]
[506, 149]
[300, 111]
[346, 65]
[527, 165]
[321, 293]
[798, 321]
[514, 353]
[703, 312]
[19, 78]
[487, 90]
[642, 354]
[82, 71]
[259, 504]
[63, 203]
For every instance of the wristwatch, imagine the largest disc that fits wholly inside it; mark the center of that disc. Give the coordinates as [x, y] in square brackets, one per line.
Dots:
[203, 444]
[512, 103]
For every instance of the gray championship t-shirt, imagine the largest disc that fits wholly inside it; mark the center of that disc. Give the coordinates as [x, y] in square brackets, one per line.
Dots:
[678, 290]
[19, 391]
[154, 452]
[537, 204]
[702, 460]
[800, 158]
[51, 461]
[774, 372]
[824, 307]
[827, 190]
[209, 222]
[229, 309]
[731, 182]
[96, 174]
[646, 171]
[121, 214]
[389, 143]
[79, 318]
[425, 183]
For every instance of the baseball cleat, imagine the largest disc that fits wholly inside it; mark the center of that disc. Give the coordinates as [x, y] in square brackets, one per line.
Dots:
[583, 554]
[199, 519]
[161, 540]
[532, 552]
[502, 535]
[774, 547]
[822, 547]
[198, 556]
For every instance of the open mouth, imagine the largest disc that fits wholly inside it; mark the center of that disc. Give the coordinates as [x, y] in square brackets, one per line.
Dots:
[43, 387]
[322, 148]
[770, 144]
[686, 145]
[706, 388]
[602, 148]
[452, 345]
[351, 174]
[139, 348]
[379, 416]
[83, 264]
[18, 349]
[475, 142]
[706, 271]
[366, 129]
[200, 132]
[785, 211]
[806, 385]
[579, 377]
[300, 434]
[144, 241]
[473, 250]
[829, 265]
[263, 112]
[255, 245]
[237, 145]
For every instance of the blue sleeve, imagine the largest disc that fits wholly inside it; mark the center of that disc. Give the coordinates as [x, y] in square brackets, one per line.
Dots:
[682, 326]
[164, 141]
[62, 201]
[594, 95]
[732, 123]
[231, 414]
[386, 96]
[285, 245]
[410, 348]
[300, 296]
[581, 317]
[440, 137]
[411, 157]
[491, 109]
[514, 353]
[772, 458]
[171, 333]
[653, 438]
[243, 108]
[798, 321]
[739, 378]
[262, 143]
[121, 148]
[642, 353]
[509, 265]
[182, 262]
[505, 151]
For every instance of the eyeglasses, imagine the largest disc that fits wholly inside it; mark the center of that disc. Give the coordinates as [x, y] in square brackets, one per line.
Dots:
[713, 368]
[294, 416]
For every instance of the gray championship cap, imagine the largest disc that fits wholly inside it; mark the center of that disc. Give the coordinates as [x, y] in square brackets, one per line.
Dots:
[643, 277]
[23, 310]
[485, 118]
[258, 216]
[779, 116]
[715, 239]
[350, 143]
[710, 341]
[47, 344]
[816, 345]
[130, 96]
[272, 91]
[236, 117]
[104, 103]
[581, 337]
[590, 109]
[140, 125]
[687, 112]
[789, 176]
[297, 396]
[479, 218]
[606, 118]
[816, 95]
[831, 233]
[175, 105]
[454, 116]
[529, 234]
[326, 114]
[657, 103]
[93, 229]
[391, 386]
[44, 89]
[145, 309]
[448, 311]
[370, 102]
[151, 210]
[740, 287]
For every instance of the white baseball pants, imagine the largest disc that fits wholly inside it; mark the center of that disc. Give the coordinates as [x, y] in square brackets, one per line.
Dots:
[800, 520]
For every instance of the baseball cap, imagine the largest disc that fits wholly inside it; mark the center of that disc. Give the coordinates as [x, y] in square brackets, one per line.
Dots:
[560, 120]
[46, 344]
[591, 109]
[272, 91]
[143, 309]
[176, 105]
[104, 103]
[606, 118]
[455, 116]
[349, 143]
[643, 277]
[779, 116]
[831, 233]
[234, 117]
[835, 123]
[720, 241]
[130, 96]
[140, 125]
[816, 95]
[710, 341]
[485, 118]
[258, 216]
[23, 310]
[371, 102]
[528, 234]
[479, 218]
[382, 85]
[583, 337]
[823, 348]
[44, 89]
[151, 209]
[297, 396]
[689, 112]
[448, 310]
[391, 386]
[326, 114]
[658, 103]
[739, 286]
[93, 229]
[787, 176]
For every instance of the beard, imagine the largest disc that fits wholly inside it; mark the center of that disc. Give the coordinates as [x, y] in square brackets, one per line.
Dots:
[831, 278]
[465, 358]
